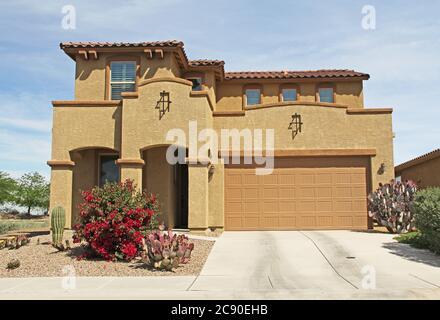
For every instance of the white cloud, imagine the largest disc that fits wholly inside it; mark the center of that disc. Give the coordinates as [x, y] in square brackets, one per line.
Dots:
[28, 124]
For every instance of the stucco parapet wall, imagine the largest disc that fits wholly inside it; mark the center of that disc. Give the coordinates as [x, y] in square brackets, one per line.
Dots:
[308, 152]
[130, 162]
[84, 103]
[204, 94]
[166, 79]
[320, 104]
[60, 163]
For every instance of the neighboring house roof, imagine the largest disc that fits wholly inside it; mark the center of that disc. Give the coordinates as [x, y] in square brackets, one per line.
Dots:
[336, 73]
[71, 47]
[421, 159]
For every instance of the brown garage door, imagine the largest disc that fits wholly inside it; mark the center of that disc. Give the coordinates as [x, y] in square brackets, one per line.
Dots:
[296, 197]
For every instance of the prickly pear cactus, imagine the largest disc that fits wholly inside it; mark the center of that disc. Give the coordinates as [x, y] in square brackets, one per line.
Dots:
[58, 222]
[165, 251]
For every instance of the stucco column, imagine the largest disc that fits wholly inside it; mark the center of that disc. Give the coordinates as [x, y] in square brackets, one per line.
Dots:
[198, 195]
[216, 195]
[61, 187]
[131, 169]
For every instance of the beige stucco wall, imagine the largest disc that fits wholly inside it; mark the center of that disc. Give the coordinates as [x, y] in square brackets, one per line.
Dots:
[135, 131]
[324, 128]
[90, 78]
[77, 127]
[158, 178]
[229, 93]
[425, 174]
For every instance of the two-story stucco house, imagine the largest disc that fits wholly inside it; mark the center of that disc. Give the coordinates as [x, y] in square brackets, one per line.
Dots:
[329, 150]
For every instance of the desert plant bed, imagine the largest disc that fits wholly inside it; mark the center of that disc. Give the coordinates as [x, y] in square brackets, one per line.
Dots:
[40, 259]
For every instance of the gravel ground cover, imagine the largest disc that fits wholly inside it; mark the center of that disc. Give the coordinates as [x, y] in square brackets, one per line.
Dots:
[42, 260]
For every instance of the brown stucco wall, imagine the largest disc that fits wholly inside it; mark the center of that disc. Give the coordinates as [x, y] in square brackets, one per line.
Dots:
[425, 174]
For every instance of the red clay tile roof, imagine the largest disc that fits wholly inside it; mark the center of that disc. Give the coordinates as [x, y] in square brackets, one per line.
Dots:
[168, 43]
[294, 74]
[206, 63]
[423, 158]
[317, 74]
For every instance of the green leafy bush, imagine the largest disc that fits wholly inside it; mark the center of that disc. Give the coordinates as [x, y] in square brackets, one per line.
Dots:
[426, 209]
[390, 205]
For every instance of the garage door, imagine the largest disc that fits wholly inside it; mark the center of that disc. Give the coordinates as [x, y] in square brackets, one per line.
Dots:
[295, 198]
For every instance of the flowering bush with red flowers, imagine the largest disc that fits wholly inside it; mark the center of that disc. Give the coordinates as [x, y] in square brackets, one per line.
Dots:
[114, 219]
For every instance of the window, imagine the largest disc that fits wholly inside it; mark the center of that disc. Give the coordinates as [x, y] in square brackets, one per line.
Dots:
[108, 169]
[253, 97]
[122, 78]
[289, 94]
[326, 95]
[196, 84]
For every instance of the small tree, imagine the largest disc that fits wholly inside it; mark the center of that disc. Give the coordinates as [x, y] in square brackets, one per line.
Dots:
[391, 205]
[32, 192]
[8, 188]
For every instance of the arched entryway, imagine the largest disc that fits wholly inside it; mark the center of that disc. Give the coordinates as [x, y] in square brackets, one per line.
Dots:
[170, 182]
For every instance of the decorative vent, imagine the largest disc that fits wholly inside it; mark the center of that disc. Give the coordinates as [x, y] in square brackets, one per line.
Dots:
[295, 125]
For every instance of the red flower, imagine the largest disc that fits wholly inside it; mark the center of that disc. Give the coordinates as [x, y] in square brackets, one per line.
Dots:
[129, 250]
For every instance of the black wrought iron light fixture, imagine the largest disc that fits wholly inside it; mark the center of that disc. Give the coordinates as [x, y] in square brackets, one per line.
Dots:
[295, 125]
[163, 104]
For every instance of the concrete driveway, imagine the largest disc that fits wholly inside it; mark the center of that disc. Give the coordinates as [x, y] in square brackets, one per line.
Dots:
[269, 265]
[313, 264]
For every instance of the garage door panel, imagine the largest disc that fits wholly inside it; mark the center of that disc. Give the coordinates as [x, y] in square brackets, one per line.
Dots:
[270, 192]
[285, 192]
[295, 198]
[250, 193]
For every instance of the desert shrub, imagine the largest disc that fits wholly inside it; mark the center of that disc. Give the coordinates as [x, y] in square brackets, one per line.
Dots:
[427, 216]
[391, 205]
[115, 219]
[166, 250]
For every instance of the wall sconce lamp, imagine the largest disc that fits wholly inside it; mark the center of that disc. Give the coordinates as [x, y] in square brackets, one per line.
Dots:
[381, 169]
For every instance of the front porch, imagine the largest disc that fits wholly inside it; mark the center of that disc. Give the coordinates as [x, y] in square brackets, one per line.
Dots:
[184, 190]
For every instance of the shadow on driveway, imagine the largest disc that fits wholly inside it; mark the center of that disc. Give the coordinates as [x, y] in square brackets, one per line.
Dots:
[413, 254]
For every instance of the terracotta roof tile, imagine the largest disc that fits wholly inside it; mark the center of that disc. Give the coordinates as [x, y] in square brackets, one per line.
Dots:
[206, 63]
[420, 159]
[168, 43]
[318, 74]
[294, 74]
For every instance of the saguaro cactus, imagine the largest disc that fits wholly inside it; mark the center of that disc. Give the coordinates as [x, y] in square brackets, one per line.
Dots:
[58, 222]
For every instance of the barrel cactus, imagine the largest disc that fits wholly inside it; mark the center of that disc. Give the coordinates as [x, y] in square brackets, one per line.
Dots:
[58, 222]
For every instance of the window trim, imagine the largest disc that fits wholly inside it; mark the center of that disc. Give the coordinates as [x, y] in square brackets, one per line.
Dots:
[98, 170]
[289, 86]
[126, 58]
[325, 86]
[197, 77]
[254, 86]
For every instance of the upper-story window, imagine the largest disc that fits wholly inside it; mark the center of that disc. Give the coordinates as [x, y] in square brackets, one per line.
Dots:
[326, 94]
[289, 94]
[122, 78]
[253, 97]
[196, 84]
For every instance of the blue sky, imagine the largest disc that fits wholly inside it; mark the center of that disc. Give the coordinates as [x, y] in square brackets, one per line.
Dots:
[402, 55]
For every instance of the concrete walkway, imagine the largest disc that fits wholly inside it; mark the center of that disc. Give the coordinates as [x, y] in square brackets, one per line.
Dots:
[269, 265]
